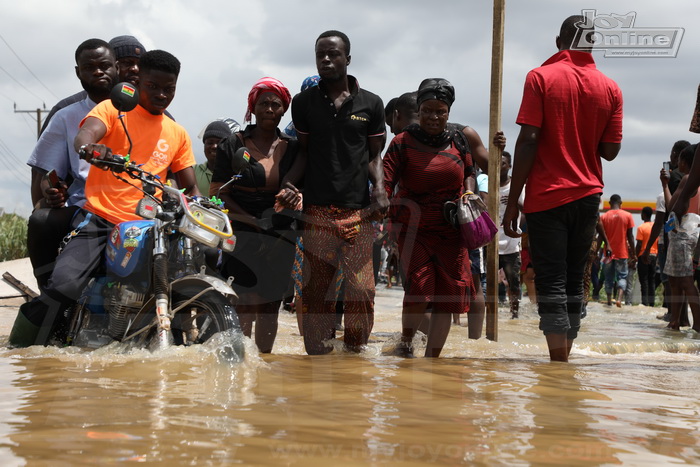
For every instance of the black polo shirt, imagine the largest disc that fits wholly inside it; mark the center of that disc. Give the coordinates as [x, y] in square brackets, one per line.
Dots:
[338, 152]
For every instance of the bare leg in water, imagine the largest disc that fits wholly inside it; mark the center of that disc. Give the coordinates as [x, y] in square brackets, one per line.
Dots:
[529, 281]
[298, 310]
[246, 317]
[266, 322]
[265, 316]
[440, 324]
[438, 330]
[559, 347]
[475, 317]
[684, 286]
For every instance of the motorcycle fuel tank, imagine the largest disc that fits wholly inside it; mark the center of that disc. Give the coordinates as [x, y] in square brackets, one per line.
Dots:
[129, 247]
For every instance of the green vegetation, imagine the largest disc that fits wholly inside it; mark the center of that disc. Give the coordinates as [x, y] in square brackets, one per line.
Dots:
[13, 237]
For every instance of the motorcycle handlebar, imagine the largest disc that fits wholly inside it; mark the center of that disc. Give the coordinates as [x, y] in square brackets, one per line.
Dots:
[111, 161]
[115, 163]
[120, 164]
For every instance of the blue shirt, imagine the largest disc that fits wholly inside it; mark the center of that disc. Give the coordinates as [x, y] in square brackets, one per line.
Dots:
[482, 183]
[54, 150]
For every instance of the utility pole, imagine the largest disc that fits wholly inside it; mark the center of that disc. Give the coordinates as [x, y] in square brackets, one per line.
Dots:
[494, 169]
[38, 116]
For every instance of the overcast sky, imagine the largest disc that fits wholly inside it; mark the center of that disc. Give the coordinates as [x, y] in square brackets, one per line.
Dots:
[226, 45]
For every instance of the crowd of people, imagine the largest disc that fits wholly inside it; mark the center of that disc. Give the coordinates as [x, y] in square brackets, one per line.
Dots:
[321, 202]
[676, 234]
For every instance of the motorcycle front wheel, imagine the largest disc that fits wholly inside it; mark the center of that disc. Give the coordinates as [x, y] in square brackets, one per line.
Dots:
[203, 317]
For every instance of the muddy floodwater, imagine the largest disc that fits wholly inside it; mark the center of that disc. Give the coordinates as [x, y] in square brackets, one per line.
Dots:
[629, 396]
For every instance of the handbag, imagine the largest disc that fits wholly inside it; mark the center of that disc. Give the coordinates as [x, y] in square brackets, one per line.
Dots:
[469, 215]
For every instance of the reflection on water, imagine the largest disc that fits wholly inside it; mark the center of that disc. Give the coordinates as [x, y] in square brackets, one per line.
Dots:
[629, 396]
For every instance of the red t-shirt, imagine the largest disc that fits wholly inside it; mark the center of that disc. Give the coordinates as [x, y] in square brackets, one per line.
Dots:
[576, 107]
[616, 223]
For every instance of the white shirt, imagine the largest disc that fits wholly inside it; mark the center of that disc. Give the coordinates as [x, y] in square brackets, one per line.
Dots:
[661, 210]
[54, 150]
[507, 245]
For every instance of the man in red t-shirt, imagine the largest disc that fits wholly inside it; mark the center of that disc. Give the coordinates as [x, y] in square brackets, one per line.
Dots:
[618, 225]
[570, 117]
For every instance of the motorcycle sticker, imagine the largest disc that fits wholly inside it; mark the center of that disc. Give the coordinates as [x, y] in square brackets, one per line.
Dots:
[115, 236]
[126, 259]
[111, 252]
[130, 244]
[132, 232]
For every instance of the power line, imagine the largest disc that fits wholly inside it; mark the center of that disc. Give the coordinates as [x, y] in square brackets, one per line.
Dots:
[22, 180]
[22, 85]
[13, 165]
[15, 172]
[6, 97]
[11, 154]
[25, 66]
[20, 177]
[17, 175]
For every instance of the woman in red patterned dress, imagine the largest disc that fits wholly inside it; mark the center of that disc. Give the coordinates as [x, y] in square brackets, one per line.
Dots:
[431, 163]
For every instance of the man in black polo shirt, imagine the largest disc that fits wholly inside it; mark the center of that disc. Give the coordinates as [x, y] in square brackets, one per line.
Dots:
[341, 134]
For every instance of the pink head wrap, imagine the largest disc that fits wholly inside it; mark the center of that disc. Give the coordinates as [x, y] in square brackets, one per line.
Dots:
[267, 85]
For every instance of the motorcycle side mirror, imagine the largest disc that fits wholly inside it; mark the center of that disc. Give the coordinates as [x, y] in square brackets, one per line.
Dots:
[124, 97]
[239, 163]
[240, 160]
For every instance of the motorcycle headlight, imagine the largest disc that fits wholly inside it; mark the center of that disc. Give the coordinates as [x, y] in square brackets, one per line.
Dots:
[197, 233]
[208, 218]
[205, 225]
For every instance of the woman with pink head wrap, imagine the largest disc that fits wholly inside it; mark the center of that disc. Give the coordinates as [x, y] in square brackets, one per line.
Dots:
[262, 261]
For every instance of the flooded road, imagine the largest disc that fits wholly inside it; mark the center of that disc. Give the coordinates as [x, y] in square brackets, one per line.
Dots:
[628, 396]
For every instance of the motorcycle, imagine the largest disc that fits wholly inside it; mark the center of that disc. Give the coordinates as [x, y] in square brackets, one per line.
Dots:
[155, 290]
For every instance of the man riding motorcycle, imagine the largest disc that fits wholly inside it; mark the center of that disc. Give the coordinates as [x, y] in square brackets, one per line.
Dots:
[158, 143]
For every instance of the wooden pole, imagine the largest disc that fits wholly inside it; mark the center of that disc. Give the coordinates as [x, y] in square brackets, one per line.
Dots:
[494, 168]
[38, 123]
[38, 112]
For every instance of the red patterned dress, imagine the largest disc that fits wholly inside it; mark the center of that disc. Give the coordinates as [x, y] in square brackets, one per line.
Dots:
[434, 263]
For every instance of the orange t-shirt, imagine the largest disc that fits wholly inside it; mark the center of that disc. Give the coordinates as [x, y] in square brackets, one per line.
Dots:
[643, 234]
[159, 144]
[616, 223]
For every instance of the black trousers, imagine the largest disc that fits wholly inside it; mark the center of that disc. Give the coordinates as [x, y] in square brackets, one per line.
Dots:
[74, 267]
[647, 280]
[45, 231]
[560, 242]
